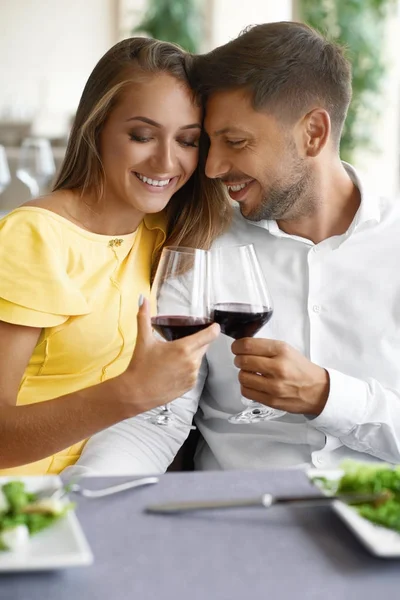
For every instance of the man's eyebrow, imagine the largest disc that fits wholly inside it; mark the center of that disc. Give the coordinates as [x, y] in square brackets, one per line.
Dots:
[155, 124]
[230, 130]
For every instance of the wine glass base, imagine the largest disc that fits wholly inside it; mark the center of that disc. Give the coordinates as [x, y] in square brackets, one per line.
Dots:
[166, 419]
[163, 420]
[255, 414]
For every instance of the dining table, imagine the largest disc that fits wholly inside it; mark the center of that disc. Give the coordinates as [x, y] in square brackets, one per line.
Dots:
[282, 552]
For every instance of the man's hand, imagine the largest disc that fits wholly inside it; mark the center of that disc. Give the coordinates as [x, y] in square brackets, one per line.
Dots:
[275, 374]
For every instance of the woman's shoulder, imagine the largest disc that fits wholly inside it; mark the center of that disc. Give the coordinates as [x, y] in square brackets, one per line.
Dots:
[49, 219]
[39, 232]
[38, 215]
[34, 268]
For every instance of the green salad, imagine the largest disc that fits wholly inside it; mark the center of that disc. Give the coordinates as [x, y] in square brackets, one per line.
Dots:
[361, 478]
[23, 514]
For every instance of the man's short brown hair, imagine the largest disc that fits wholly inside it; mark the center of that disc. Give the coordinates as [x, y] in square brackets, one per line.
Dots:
[287, 67]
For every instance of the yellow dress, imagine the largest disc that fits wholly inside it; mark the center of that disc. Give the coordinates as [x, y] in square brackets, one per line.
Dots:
[82, 289]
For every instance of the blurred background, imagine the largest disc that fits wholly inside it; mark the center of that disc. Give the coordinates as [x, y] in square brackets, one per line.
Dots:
[49, 47]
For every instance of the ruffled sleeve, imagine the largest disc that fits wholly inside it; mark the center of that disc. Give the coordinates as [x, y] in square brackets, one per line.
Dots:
[35, 287]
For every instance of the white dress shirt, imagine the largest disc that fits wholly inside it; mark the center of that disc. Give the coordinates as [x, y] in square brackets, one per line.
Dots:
[337, 302]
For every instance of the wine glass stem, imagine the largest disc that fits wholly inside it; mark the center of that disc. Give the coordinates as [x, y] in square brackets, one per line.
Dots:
[166, 412]
[34, 188]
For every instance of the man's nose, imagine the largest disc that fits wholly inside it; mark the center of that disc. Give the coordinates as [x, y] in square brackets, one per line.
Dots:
[216, 164]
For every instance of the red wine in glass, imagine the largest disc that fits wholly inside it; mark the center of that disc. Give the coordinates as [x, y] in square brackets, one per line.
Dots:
[174, 327]
[239, 320]
[242, 305]
[181, 287]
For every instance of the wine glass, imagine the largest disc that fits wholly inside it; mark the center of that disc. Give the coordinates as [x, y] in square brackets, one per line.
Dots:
[241, 304]
[181, 289]
[5, 176]
[36, 165]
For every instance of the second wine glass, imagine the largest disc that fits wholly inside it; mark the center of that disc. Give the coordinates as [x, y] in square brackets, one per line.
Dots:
[242, 305]
[36, 165]
[181, 288]
[5, 177]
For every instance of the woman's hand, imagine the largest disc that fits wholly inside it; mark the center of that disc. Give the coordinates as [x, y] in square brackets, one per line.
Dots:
[159, 371]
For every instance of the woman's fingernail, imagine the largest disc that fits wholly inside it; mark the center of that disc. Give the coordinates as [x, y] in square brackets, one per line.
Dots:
[141, 300]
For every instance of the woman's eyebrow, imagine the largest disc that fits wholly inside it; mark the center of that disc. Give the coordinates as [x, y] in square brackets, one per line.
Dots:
[155, 124]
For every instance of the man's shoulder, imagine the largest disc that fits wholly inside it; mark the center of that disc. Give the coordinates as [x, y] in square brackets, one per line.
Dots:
[240, 231]
[389, 210]
[391, 204]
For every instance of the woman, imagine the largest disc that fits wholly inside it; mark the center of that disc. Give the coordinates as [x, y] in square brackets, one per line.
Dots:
[74, 263]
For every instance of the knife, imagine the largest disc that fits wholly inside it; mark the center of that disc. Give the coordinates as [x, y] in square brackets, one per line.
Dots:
[264, 501]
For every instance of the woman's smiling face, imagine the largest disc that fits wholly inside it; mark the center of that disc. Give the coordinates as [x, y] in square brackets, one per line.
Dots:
[149, 143]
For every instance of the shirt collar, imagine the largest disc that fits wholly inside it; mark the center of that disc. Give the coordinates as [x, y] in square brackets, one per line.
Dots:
[156, 221]
[369, 209]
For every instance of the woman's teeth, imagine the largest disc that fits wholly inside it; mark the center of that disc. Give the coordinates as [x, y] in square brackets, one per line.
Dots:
[155, 182]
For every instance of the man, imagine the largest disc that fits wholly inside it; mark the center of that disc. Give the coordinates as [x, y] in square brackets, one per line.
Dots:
[276, 99]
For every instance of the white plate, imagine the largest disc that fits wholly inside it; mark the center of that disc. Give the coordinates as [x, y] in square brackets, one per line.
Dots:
[61, 545]
[378, 540]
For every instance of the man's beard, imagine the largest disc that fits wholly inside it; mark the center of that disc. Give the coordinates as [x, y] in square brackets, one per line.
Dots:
[286, 202]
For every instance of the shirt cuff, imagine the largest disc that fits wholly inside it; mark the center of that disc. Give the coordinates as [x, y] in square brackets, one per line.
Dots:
[346, 406]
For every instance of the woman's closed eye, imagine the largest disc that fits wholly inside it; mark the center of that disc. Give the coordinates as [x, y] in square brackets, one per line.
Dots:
[185, 142]
[189, 142]
[139, 138]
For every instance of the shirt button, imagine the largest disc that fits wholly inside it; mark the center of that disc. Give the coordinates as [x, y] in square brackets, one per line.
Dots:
[316, 308]
[319, 460]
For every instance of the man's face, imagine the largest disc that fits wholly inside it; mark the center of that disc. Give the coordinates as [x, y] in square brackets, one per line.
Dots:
[257, 158]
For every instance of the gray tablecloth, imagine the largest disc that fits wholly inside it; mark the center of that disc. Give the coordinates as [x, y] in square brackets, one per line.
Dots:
[250, 554]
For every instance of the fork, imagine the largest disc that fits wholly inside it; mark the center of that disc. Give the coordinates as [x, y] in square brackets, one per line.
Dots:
[74, 487]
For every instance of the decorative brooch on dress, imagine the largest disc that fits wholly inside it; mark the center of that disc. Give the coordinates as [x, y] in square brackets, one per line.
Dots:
[115, 243]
